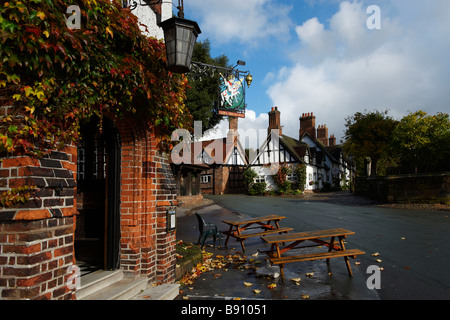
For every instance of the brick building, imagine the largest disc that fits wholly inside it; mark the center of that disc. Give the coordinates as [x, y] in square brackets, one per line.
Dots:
[324, 160]
[214, 167]
[69, 222]
[103, 204]
[226, 171]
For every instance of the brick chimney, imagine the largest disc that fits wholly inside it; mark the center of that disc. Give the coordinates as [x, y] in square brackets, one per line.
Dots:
[332, 140]
[307, 124]
[322, 134]
[274, 120]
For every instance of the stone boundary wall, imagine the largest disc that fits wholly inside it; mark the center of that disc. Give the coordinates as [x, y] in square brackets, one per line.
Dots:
[406, 188]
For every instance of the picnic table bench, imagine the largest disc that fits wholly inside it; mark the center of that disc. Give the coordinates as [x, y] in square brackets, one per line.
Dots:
[280, 244]
[238, 228]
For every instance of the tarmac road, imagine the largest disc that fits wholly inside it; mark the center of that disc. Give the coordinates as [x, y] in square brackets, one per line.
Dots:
[413, 245]
[325, 282]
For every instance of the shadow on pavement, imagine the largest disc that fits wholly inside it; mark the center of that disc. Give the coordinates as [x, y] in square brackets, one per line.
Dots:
[240, 274]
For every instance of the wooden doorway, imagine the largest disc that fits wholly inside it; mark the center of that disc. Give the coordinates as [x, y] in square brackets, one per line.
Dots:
[236, 179]
[97, 234]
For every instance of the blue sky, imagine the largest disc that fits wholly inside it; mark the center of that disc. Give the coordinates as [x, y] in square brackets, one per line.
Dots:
[319, 56]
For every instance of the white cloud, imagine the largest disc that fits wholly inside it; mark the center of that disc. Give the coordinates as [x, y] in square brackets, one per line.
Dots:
[349, 23]
[252, 129]
[247, 21]
[347, 68]
[317, 41]
[340, 67]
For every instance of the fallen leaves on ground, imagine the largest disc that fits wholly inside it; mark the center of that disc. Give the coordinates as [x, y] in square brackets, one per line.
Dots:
[271, 286]
[211, 263]
[376, 254]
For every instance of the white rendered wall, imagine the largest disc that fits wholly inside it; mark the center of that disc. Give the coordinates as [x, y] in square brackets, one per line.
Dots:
[147, 17]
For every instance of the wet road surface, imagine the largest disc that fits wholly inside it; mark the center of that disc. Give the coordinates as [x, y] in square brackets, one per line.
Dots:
[413, 245]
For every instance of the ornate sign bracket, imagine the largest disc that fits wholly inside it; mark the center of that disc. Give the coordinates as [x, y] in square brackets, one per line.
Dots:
[200, 70]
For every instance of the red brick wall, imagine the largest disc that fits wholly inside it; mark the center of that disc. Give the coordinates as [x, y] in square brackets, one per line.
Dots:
[35, 257]
[37, 238]
[148, 190]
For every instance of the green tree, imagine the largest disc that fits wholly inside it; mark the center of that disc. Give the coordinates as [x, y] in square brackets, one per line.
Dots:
[249, 177]
[203, 94]
[422, 142]
[369, 135]
[300, 172]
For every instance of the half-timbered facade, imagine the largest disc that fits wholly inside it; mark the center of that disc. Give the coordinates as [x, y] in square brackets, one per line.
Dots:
[322, 166]
[217, 165]
[226, 171]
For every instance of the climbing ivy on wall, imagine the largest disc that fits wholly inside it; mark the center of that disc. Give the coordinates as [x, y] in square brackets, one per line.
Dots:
[54, 76]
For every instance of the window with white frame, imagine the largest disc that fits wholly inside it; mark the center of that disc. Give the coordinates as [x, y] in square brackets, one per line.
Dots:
[259, 179]
[206, 178]
[291, 177]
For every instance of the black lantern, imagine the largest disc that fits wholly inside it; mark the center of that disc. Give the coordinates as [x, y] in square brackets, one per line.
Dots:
[180, 36]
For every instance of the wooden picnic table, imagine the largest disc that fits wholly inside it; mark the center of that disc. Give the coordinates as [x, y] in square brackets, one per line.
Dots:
[280, 244]
[239, 228]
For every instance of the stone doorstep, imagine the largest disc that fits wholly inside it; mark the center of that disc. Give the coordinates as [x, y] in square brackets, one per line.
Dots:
[160, 292]
[111, 285]
[125, 289]
[97, 281]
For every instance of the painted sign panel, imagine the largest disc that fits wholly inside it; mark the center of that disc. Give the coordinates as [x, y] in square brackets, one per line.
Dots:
[232, 96]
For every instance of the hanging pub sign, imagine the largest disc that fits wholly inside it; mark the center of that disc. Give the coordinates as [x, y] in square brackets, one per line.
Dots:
[232, 96]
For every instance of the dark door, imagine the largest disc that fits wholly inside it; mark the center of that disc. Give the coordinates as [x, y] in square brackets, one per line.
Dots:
[236, 179]
[97, 236]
